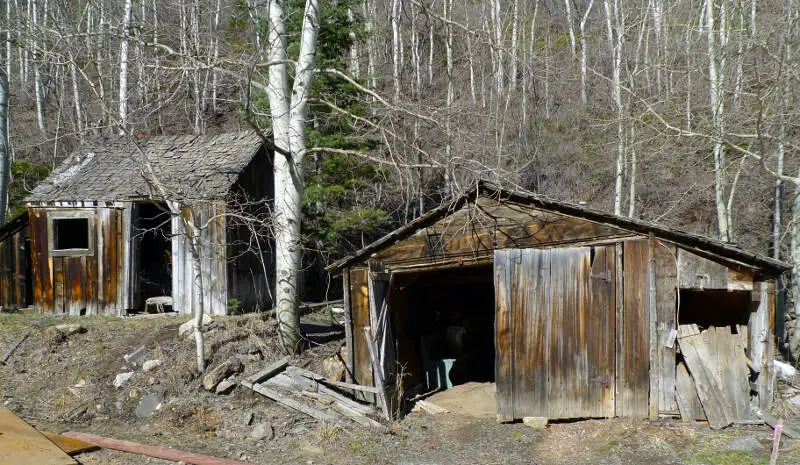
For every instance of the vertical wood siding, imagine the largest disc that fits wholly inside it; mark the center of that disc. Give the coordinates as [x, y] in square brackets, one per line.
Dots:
[634, 388]
[88, 284]
[554, 333]
[666, 281]
[359, 308]
[185, 292]
[13, 269]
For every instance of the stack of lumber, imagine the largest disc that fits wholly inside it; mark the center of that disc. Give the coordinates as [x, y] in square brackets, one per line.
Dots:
[314, 395]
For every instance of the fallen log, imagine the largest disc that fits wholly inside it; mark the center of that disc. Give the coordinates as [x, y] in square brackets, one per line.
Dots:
[159, 452]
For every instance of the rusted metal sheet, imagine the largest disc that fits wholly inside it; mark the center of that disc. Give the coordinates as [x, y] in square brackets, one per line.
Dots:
[359, 308]
[554, 333]
[21, 444]
[633, 393]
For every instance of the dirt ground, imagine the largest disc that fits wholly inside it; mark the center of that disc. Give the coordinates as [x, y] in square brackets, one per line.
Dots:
[62, 383]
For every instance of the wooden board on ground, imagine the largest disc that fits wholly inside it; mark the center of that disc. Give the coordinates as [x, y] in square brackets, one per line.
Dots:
[688, 403]
[22, 444]
[715, 358]
[71, 446]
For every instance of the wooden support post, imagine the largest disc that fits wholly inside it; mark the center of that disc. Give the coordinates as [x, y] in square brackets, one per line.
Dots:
[619, 273]
[349, 360]
[655, 379]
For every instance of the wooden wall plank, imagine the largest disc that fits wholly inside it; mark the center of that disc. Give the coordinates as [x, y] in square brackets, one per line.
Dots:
[531, 300]
[359, 307]
[43, 288]
[503, 365]
[700, 273]
[636, 382]
[601, 332]
[666, 314]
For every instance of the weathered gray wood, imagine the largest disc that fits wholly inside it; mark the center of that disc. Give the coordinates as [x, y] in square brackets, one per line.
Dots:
[619, 379]
[655, 378]
[689, 404]
[377, 373]
[359, 417]
[700, 273]
[666, 314]
[339, 384]
[300, 406]
[772, 421]
[701, 362]
[349, 359]
[269, 371]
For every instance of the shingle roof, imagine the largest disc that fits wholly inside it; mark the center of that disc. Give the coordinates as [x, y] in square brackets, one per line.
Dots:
[189, 167]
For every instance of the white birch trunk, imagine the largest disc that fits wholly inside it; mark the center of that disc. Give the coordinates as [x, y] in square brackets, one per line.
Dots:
[716, 92]
[5, 151]
[512, 79]
[395, 19]
[123, 67]
[470, 58]
[570, 27]
[37, 75]
[355, 68]
[584, 99]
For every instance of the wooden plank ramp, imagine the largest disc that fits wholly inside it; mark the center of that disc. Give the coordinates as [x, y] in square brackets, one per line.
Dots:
[22, 444]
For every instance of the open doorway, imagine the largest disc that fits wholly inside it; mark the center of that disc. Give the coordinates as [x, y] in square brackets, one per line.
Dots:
[443, 324]
[152, 247]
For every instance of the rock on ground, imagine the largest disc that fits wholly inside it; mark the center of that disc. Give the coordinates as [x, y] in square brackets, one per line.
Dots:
[123, 378]
[230, 367]
[262, 432]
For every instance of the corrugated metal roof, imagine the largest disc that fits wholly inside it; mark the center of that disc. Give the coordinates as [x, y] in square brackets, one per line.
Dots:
[189, 167]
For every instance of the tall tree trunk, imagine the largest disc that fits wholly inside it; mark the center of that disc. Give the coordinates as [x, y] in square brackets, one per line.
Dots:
[5, 152]
[395, 19]
[584, 99]
[123, 67]
[288, 127]
[716, 77]
[38, 58]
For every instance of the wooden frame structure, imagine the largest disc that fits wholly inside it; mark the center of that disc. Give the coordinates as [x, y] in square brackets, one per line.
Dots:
[587, 304]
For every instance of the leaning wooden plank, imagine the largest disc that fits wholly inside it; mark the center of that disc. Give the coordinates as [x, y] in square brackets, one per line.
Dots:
[269, 371]
[683, 384]
[159, 452]
[377, 372]
[700, 363]
[316, 386]
[14, 347]
[359, 418]
[22, 444]
[300, 406]
[71, 446]
[339, 384]
[773, 421]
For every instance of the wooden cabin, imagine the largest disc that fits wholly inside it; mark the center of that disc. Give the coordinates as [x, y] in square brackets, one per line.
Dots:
[570, 311]
[16, 281]
[102, 239]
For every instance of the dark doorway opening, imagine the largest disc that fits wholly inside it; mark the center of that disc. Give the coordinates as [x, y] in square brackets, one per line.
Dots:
[443, 325]
[715, 308]
[152, 246]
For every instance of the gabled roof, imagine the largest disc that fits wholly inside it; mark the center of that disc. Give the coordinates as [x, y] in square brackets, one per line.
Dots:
[189, 167]
[702, 245]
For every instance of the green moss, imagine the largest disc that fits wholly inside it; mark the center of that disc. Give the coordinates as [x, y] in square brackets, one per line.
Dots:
[728, 457]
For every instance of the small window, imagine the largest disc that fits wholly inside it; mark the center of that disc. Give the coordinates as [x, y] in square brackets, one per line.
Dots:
[70, 235]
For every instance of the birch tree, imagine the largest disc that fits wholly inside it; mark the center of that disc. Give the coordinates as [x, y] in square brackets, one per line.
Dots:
[288, 112]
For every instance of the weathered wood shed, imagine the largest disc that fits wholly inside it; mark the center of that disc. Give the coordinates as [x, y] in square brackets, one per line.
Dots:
[572, 312]
[102, 239]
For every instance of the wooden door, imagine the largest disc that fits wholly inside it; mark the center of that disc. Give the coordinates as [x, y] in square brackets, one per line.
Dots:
[555, 332]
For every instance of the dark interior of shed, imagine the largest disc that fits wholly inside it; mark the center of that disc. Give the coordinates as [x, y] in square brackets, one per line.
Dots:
[711, 307]
[443, 324]
[152, 235]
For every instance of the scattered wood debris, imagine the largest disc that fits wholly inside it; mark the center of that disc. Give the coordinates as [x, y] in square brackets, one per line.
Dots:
[14, 347]
[21, 443]
[310, 393]
[159, 452]
[71, 446]
[430, 407]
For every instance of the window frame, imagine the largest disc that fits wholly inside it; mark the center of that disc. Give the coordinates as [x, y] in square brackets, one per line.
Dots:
[70, 215]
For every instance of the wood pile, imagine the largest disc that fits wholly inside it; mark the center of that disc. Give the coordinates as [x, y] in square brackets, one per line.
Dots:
[314, 395]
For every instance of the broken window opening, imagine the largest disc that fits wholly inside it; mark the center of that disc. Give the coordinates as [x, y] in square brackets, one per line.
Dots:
[70, 235]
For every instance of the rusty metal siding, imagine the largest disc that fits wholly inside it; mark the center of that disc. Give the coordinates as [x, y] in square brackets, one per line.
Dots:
[633, 388]
[554, 333]
[359, 308]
